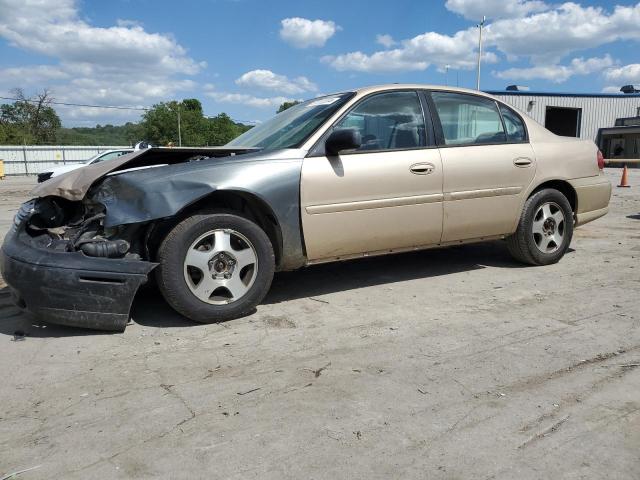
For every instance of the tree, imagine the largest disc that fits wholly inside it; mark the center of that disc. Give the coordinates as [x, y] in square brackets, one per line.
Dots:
[33, 121]
[127, 134]
[160, 125]
[221, 129]
[29, 120]
[286, 105]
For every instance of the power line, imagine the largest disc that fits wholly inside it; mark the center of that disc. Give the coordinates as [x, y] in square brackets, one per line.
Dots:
[113, 107]
[78, 104]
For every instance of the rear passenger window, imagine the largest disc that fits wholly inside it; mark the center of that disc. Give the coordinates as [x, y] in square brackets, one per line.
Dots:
[468, 120]
[388, 121]
[514, 125]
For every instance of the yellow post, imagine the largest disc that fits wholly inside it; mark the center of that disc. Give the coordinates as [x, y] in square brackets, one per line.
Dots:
[1, 169]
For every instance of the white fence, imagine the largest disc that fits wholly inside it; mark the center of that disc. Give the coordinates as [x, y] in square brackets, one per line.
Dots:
[29, 160]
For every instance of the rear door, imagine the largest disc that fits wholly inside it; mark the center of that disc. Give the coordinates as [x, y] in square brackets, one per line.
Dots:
[487, 162]
[383, 196]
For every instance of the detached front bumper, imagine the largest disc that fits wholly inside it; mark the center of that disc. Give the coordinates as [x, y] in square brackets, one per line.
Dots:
[70, 288]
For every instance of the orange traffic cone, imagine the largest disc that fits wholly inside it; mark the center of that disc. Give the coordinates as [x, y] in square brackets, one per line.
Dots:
[623, 181]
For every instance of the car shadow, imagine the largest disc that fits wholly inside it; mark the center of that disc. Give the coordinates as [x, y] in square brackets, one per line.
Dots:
[388, 269]
[150, 309]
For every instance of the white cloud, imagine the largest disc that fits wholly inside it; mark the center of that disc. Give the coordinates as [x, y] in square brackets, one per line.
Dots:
[476, 9]
[549, 36]
[32, 75]
[128, 23]
[611, 89]
[385, 40]
[558, 73]
[543, 33]
[248, 100]
[54, 28]
[417, 53]
[628, 74]
[304, 33]
[386, 61]
[121, 64]
[267, 80]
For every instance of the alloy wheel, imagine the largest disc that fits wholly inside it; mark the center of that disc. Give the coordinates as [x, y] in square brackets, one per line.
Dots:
[548, 227]
[220, 266]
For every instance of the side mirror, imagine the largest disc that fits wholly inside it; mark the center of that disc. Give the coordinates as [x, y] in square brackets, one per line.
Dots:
[342, 139]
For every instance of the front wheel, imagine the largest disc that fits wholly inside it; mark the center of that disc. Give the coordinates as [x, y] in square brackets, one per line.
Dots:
[545, 229]
[215, 267]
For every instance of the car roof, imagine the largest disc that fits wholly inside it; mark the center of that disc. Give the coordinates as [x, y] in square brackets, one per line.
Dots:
[416, 86]
[116, 150]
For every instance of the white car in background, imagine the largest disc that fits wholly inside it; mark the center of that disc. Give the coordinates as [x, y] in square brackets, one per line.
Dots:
[100, 157]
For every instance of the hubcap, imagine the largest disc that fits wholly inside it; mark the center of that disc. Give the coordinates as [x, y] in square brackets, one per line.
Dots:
[220, 266]
[548, 227]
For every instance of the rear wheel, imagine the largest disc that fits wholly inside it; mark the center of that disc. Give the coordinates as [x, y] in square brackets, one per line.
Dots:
[545, 229]
[215, 267]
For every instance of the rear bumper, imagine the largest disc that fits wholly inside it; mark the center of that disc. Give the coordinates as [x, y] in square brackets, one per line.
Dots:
[69, 288]
[593, 195]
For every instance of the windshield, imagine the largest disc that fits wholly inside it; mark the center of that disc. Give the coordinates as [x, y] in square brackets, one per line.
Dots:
[292, 127]
[101, 157]
[92, 159]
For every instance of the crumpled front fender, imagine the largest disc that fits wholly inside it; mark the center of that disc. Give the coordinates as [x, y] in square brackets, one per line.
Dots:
[161, 192]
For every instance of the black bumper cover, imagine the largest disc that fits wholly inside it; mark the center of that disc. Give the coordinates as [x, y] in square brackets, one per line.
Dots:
[70, 288]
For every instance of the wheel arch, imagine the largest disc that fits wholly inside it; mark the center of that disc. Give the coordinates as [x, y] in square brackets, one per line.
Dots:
[563, 187]
[245, 203]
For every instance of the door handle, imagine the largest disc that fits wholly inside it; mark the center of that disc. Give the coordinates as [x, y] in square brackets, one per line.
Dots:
[522, 162]
[422, 168]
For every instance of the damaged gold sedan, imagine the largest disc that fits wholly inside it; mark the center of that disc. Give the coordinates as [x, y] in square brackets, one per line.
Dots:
[374, 171]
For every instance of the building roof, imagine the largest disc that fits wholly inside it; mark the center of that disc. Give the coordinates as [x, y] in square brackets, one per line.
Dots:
[560, 94]
[619, 130]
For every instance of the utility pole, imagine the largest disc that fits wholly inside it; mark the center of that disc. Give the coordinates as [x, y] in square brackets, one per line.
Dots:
[179, 132]
[481, 27]
[446, 74]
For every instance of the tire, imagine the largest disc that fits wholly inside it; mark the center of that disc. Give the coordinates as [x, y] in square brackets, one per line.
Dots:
[542, 238]
[224, 243]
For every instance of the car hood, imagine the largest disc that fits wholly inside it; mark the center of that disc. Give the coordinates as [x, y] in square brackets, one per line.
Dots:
[73, 185]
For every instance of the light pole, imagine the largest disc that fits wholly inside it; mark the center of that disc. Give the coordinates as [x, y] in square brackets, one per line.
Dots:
[179, 132]
[481, 27]
[446, 74]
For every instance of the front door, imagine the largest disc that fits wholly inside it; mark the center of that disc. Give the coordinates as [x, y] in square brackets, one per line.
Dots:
[488, 164]
[385, 195]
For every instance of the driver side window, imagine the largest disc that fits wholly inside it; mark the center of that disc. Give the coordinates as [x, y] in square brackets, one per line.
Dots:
[388, 121]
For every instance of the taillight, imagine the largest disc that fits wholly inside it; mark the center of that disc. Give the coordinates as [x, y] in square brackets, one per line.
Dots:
[600, 160]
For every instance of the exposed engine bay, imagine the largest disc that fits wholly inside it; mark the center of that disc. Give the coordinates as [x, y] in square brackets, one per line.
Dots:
[65, 216]
[65, 226]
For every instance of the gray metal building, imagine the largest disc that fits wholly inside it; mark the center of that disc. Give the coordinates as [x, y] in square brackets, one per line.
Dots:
[610, 120]
[575, 115]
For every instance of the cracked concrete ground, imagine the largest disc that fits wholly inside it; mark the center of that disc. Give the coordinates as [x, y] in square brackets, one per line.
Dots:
[449, 364]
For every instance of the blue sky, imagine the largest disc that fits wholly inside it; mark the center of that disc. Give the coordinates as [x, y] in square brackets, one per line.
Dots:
[245, 57]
